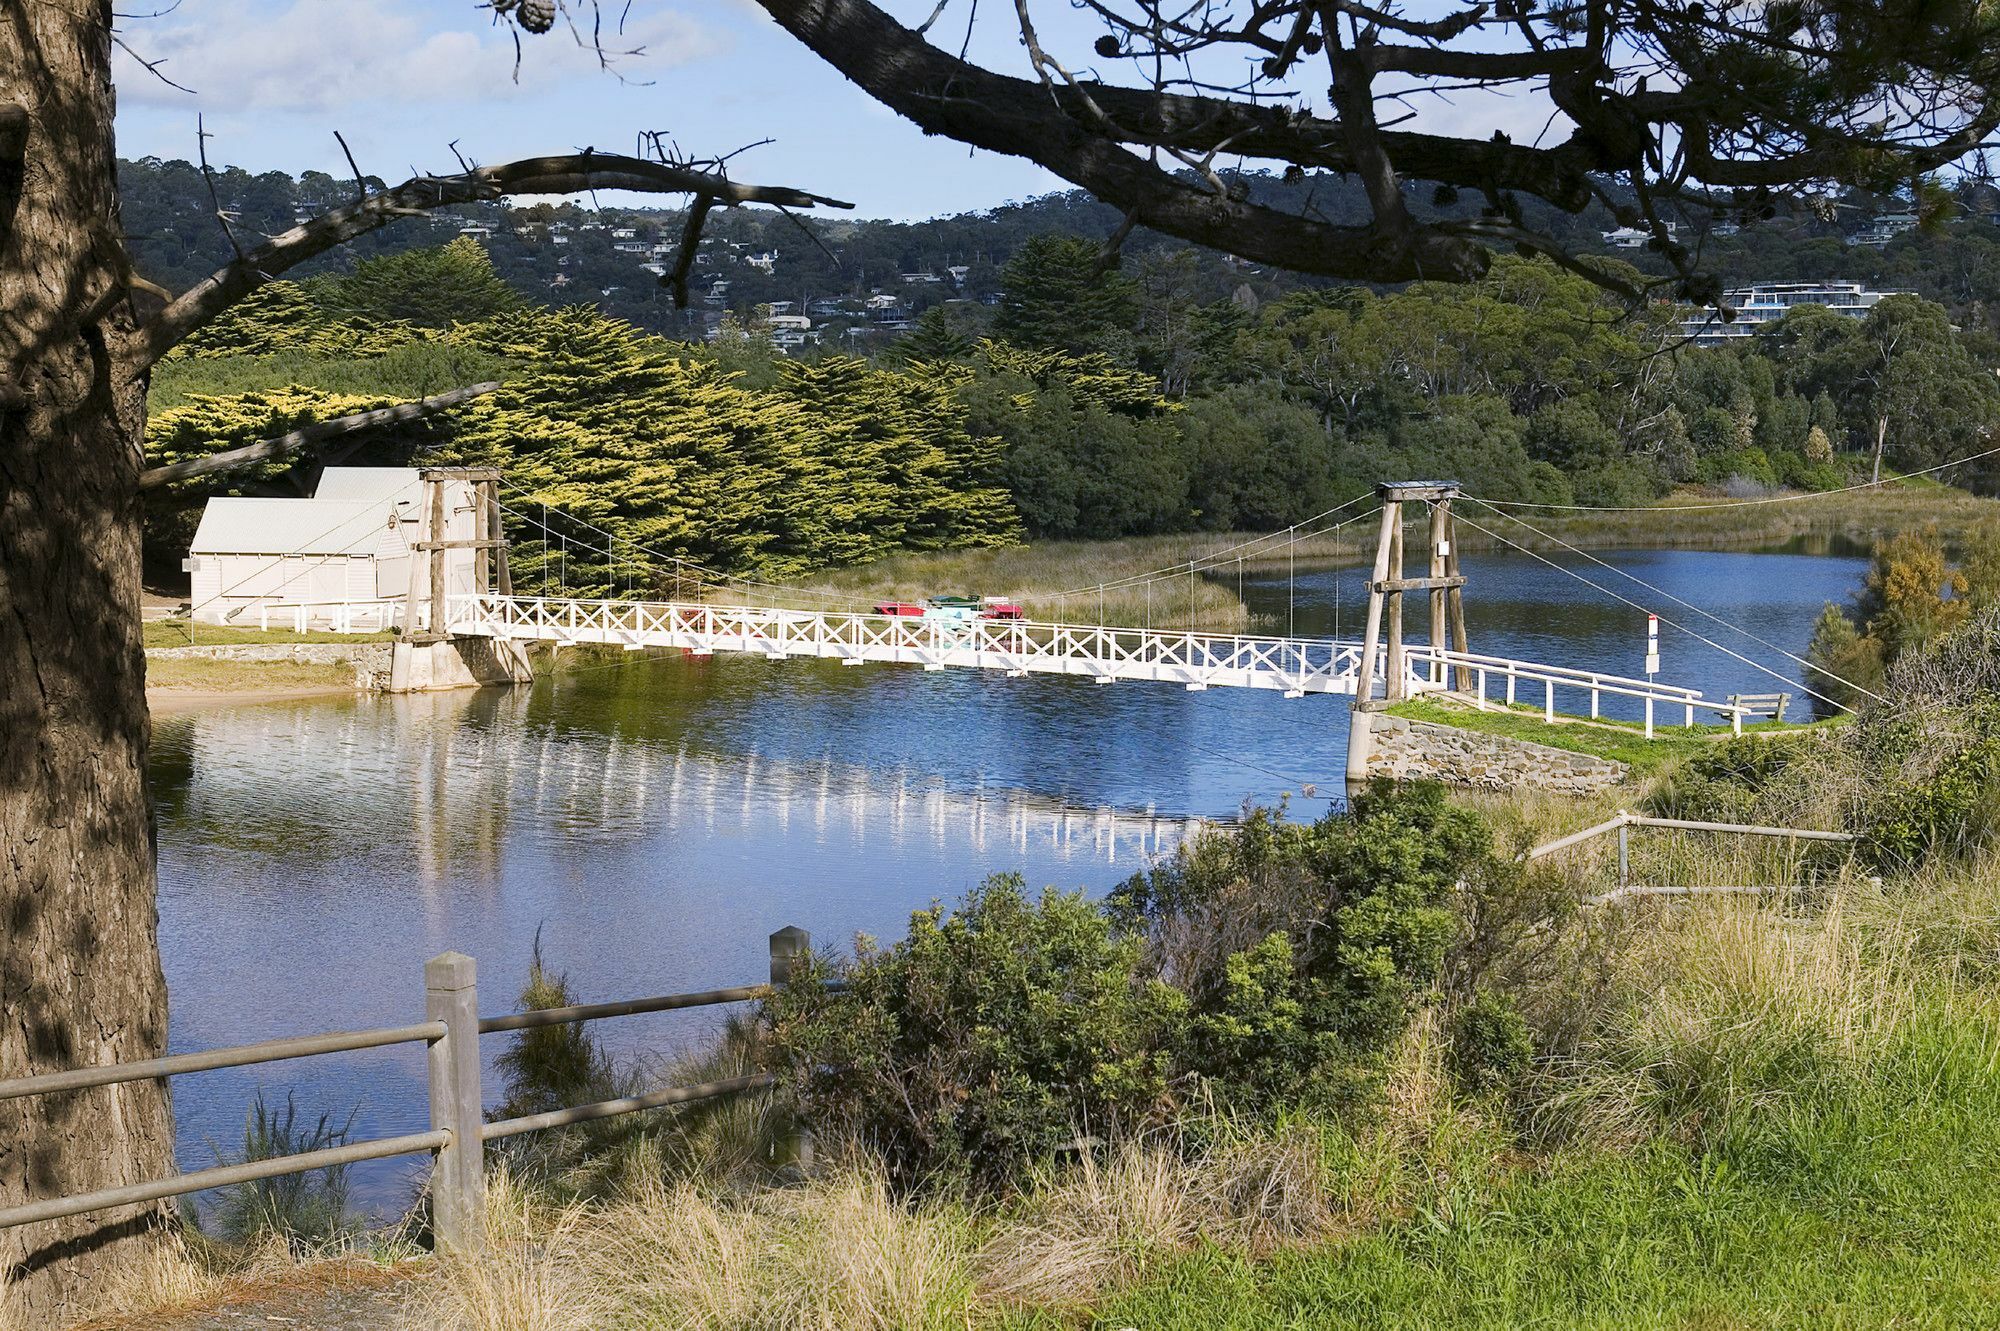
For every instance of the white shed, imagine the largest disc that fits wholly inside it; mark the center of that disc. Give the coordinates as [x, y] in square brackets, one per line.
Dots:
[342, 557]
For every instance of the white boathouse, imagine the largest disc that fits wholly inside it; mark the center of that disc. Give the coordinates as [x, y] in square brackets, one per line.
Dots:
[343, 558]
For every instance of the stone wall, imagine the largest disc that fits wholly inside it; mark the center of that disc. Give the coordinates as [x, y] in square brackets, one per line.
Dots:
[1405, 750]
[371, 660]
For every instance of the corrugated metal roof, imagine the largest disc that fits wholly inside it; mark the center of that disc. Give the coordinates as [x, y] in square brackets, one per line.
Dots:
[289, 527]
[354, 485]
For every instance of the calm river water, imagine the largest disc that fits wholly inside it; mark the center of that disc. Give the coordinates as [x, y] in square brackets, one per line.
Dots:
[654, 822]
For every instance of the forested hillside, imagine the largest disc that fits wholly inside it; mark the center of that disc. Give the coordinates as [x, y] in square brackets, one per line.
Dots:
[1081, 403]
[550, 252]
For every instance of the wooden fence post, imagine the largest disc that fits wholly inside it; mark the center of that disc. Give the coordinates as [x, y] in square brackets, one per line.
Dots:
[458, 1181]
[791, 946]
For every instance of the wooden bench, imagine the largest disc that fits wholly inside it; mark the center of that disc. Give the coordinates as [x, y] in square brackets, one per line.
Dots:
[1761, 705]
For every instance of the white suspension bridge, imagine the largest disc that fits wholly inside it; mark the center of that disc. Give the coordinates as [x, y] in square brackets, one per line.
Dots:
[469, 626]
[1377, 671]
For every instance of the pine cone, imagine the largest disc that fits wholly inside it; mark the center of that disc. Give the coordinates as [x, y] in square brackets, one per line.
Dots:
[536, 15]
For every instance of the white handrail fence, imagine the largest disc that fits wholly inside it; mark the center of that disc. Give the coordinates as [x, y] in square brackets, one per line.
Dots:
[1622, 824]
[1195, 660]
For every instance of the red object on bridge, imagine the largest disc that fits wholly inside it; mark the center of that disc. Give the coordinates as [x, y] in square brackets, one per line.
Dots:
[898, 608]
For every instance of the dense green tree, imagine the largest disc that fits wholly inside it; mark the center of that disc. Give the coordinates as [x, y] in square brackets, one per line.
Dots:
[1059, 296]
[432, 288]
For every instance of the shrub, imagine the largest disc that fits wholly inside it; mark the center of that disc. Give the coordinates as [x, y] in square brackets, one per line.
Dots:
[1302, 946]
[1490, 1044]
[1262, 967]
[985, 1042]
[1723, 782]
[303, 1209]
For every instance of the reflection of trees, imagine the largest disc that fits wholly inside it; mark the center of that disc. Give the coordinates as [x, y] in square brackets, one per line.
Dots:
[316, 781]
[432, 785]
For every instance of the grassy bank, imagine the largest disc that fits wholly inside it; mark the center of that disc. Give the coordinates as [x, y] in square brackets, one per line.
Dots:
[202, 676]
[1620, 741]
[188, 633]
[1770, 1125]
[1051, 580]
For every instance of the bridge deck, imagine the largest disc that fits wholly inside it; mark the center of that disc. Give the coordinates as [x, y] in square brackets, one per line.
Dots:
[1294, 666]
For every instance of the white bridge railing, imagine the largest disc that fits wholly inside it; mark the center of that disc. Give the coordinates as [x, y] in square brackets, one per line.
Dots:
[1496, 673]
[1294, 666]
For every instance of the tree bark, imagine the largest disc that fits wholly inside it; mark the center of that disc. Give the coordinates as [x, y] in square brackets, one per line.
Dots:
[1881, 437]
[80, 979]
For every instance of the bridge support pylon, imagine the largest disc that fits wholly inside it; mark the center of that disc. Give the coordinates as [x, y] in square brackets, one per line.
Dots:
[1386, 585]
[461, 511]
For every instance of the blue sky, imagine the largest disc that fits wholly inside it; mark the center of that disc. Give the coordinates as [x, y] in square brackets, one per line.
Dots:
[403, 78]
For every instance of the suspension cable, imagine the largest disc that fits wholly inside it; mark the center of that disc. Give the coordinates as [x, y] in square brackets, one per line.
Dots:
[1754, 665]
[1632, 577]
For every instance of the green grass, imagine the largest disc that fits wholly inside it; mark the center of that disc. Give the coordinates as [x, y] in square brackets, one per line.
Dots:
[187, 633]
[1874, 1203]
[1619, 741]
[205, 675]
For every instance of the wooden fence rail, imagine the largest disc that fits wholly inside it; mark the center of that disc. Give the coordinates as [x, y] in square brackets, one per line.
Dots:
[458, 1130]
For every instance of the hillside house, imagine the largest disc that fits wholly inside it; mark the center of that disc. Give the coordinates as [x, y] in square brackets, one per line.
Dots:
[354, 541]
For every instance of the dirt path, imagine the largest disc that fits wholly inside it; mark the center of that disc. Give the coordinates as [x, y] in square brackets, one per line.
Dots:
[326, 1296]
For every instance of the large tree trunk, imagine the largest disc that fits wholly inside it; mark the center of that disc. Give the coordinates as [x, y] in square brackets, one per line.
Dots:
[80, 979]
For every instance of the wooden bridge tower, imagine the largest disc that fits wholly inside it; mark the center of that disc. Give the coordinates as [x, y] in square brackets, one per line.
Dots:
[1386, 587]
[430, 658]
[488, 543]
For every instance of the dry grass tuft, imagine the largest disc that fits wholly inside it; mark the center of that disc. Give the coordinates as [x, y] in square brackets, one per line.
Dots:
[1100, 1225]
[838, 1253]
[1724, 1006]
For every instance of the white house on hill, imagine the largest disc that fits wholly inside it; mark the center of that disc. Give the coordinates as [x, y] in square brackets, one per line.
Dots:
[347, 552]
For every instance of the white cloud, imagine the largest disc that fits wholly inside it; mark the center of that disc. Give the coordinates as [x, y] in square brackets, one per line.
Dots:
[321, 55]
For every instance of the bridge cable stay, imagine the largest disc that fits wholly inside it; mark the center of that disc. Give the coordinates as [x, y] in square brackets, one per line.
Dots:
[1215, 557]
[277, 560]
[1754, 665]
[716, 577]
[1741, 503]
[1660, 592]
[1292, 585]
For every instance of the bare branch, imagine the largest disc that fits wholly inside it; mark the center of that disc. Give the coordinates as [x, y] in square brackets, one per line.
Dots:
[208, 178]
[676, 281]
[320, 432]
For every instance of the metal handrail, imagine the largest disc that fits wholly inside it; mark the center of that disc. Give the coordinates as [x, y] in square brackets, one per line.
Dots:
[58, 1208]
[557, 1016]
[631, 1104]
